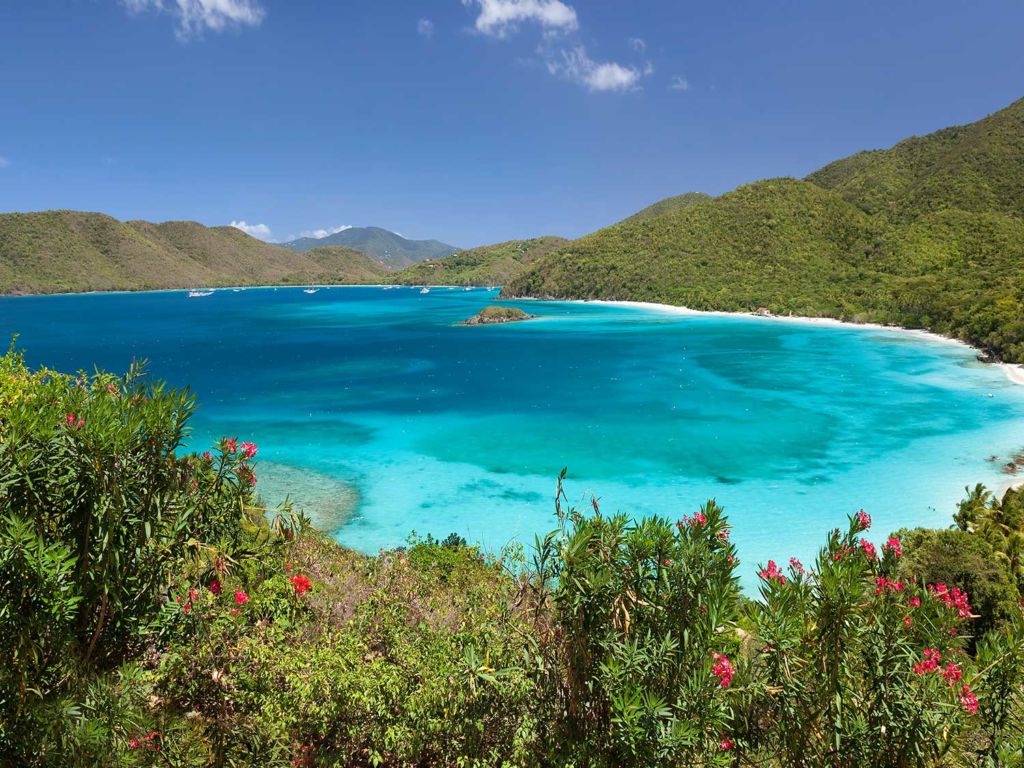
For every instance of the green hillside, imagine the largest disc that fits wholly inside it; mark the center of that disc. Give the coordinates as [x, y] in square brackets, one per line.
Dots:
[62, 251]
[486, 265]
[388, 248]
[669, 204]
[928, 234]
[977, 167]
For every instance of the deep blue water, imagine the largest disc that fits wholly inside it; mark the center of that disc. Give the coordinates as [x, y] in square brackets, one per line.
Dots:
[378, 415]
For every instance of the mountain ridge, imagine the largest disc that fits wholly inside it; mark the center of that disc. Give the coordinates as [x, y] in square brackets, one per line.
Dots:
[387, 247]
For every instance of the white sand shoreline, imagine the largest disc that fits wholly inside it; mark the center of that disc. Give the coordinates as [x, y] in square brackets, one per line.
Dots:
[1012, 371]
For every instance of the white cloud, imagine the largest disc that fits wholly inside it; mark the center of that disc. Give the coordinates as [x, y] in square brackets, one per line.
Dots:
[260, 231]
[320, 234]
[638, 44]
[679, 83]
[425, 28]
[4, 162]
[577, 66]
[196, 16]
[500, 17]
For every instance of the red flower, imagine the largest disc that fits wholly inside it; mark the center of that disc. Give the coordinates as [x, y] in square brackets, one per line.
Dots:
[240, 597]
[186, 608]
[726, 744]
[722, 669]
[914, 602]
[797, 566]
[233, 612]
[230, 445]
[249, 450]
[300, 583]
[893, 545]
[863, 520]
[215, 586]
[931, 662]
[75, 422]
[207, 456]
[952, 673]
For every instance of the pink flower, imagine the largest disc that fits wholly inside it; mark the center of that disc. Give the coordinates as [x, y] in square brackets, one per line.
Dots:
[75, 422]
[722, 669]
[240, 597]
[914, 602]
[954, 598]
[893, 545]
[908, 621]
[723, 534]
[772, 573]
[968, 700]
[883, 585]
[726, 744]
[207, 456]
[952, 673]
[869, 549]
[863, 520]
[797, 566]
[230, 445]
[215, 586]
[249, 450]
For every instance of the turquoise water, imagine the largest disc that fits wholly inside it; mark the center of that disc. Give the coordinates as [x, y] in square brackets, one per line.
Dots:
[380, 416]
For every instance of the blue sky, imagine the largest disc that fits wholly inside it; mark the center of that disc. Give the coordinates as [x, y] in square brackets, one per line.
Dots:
[471, 121]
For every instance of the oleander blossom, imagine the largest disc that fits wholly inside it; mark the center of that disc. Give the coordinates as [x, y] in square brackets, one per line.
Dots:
[930, 663]
[772, 573]
[894, 545]
[726, 744]
[868, 549]
[249, 450]
[952, 673]
[884, 585]
[300, 583]
[722, 669]
[968, 700]
[241, 598]
[230, 444]
[952, 597]
[797, 567]
[698, 519]
[74, 422]
[863, 520]
[215, 586]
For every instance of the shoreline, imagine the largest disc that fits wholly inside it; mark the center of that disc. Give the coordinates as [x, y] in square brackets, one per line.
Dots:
[1014, 372]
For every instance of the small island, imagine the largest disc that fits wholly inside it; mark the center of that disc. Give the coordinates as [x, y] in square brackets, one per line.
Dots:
[491, 315]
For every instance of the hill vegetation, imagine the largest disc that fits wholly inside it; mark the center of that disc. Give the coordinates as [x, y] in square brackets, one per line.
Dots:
[669, 204]
[387, 248]
[153, 612]
[929, 234]
[64, 251]
[487, 265]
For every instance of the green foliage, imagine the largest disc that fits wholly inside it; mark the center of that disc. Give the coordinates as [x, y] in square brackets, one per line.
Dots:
[669, 204]
[487, 265]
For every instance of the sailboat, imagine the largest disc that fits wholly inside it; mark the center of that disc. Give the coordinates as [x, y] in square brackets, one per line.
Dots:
[310, 290]
[424, 290]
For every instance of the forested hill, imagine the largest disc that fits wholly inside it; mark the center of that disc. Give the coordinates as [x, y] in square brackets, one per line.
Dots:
[928, 234]
[62, 251]
[486, 265]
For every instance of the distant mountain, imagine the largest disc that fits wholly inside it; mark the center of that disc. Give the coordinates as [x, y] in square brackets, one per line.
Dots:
[390, 249]
[668, 205]
[486, 265]
[63, 251]
[927, 234]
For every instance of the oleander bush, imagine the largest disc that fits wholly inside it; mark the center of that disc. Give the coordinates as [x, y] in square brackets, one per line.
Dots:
[153, 612]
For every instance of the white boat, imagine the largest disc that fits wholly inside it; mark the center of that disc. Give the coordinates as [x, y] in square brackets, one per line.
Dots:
[198, 294]
[310, 290]
[468, 288]
[424, 290]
